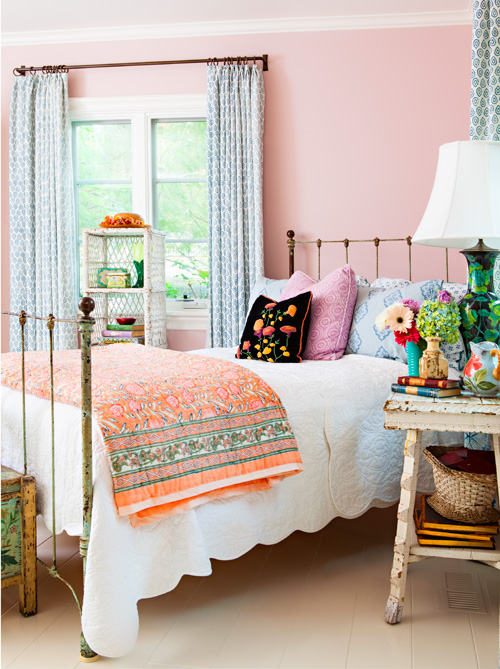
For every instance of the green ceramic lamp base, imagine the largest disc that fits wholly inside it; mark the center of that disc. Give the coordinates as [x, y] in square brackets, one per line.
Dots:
[480, 307]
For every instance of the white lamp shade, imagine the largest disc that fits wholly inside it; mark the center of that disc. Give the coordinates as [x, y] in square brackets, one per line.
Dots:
[465, 201]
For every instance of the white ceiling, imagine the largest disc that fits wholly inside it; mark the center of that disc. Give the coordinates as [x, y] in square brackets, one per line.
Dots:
[34, 21]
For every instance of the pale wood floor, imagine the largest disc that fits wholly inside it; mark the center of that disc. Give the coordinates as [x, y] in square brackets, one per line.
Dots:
[314, 601]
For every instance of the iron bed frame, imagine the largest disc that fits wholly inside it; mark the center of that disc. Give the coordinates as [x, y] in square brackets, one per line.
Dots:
[85, 325]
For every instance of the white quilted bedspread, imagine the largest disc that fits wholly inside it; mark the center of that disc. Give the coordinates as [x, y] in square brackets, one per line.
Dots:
[350, 464]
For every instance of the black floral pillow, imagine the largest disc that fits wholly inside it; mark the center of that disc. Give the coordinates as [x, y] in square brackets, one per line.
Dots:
[276, 331]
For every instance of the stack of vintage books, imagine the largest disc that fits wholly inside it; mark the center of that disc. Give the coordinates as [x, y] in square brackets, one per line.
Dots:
[414, 385]
[116, 333]
[434, 530]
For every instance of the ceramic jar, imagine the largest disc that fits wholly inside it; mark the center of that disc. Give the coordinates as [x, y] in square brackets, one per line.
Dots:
[482, 371]
[433, 364]
[118, 279]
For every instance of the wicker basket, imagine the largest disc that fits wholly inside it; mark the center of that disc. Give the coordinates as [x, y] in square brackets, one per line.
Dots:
[461, 495]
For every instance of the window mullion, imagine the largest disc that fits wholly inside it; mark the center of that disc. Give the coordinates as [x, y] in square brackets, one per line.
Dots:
[140, 168]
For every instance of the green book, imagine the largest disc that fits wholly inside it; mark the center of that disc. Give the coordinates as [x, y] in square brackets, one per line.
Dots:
[130, 328]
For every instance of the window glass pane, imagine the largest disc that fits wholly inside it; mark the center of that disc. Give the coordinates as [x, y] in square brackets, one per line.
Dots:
[97, 201]
[104, 151]
[182, 210]
[186, 267]
[181, 150]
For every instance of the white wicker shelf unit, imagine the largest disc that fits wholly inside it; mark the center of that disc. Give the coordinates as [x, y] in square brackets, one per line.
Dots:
[106, 247]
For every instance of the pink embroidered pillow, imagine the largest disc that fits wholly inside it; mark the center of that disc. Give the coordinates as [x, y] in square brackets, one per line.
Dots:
[333, 300]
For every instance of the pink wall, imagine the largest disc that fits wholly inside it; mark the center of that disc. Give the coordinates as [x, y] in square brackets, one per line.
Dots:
[186, 340]
[354, 120]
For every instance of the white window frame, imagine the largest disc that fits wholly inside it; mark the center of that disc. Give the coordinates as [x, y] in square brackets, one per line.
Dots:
[140, 112]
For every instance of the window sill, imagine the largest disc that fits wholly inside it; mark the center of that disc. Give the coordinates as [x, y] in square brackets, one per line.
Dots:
[187, 319]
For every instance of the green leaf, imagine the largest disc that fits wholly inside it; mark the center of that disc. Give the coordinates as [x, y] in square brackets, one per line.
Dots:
[486, 385]
[470, 318]
[8, 560]
[479, 375]
[491, 335]
[468, 383]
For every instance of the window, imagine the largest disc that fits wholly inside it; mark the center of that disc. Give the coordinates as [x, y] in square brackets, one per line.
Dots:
[180, 203]
[102, 168]
[147, 156]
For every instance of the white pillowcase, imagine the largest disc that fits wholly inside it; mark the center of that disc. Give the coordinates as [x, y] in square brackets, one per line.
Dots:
[269, 287]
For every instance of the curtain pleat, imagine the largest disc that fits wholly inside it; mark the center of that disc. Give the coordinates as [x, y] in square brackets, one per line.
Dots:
[485, 88]
[235, 128]
[43, 267]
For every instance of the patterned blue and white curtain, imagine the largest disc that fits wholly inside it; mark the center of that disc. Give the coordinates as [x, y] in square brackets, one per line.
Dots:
[235, 129]
[42, 224]
[485, 90]
[485, 106]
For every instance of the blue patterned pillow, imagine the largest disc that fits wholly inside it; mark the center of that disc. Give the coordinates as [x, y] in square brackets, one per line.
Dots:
[365, 338]
[455, 353]
[456, 290]
[383, 282]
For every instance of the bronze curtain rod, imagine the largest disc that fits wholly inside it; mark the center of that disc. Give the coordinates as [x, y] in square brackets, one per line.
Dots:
[52, 69]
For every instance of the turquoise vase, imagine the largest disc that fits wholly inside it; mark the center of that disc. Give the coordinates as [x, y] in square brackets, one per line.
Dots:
[414, 353]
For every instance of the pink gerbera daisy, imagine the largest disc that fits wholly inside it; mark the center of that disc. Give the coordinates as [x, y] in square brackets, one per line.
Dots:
[399, 318]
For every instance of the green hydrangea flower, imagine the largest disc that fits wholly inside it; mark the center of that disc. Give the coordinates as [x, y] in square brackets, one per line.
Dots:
[439, 319]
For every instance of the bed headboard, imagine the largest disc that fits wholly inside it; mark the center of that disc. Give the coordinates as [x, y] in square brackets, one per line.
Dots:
[376, 241]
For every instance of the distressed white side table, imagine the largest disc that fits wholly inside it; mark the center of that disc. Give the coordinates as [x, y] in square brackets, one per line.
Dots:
[414, 414]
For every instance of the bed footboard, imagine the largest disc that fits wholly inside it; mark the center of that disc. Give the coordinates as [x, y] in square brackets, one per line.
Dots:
[85, 325]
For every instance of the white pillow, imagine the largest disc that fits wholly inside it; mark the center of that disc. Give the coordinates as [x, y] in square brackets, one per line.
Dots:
[269, 287]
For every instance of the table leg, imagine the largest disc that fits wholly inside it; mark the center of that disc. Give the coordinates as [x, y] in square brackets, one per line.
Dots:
[496, 450]
[28, 586]
[404, 531]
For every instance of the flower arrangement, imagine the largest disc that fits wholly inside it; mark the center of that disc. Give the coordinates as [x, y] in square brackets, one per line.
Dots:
[414, 321]
[440, 318]
[400, 318]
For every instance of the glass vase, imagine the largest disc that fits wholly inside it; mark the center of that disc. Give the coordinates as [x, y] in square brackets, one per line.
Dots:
[433, 364]
[413, 353]
[139, 268]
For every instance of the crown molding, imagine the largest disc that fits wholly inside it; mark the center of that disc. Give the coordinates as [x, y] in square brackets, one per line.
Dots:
[251, 26]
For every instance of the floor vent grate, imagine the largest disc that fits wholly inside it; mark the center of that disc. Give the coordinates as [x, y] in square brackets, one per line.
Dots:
[461, 592]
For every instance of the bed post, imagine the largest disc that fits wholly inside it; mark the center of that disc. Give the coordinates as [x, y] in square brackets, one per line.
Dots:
[85, 325]
[291, 249]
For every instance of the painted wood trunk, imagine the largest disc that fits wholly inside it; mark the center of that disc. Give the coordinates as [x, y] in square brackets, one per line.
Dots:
[19, 537]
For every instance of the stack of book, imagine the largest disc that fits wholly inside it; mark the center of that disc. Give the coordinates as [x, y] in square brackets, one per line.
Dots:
[116, 333]
[434, 530]
[414, 385]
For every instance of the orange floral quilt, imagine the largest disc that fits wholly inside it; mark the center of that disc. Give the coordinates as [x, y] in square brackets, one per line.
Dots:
[180, 429]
